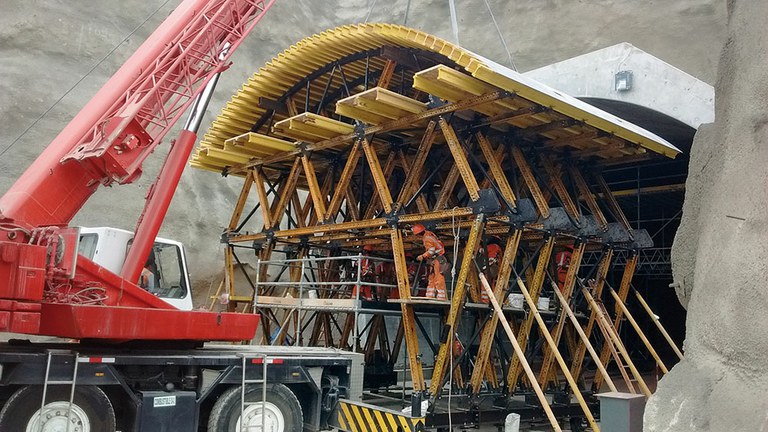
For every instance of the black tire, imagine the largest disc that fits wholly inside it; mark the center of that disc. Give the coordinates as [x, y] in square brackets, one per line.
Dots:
[226, 410]
[23, 405]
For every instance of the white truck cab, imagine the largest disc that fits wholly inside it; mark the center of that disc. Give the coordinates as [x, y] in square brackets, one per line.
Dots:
[108, 247]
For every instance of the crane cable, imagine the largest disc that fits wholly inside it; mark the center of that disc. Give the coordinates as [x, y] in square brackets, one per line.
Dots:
[456, 231]
[370, 10]
[106, 56]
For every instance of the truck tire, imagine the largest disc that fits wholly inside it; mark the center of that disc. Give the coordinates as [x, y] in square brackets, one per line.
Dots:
[91, 410]
[283, 411]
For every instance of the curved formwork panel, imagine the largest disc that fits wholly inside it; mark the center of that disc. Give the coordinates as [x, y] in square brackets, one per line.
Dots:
[402, 184]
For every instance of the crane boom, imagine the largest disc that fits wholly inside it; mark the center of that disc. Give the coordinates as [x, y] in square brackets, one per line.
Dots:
[105, 143]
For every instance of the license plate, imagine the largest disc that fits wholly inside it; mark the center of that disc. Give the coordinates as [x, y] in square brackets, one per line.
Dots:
[164, 401]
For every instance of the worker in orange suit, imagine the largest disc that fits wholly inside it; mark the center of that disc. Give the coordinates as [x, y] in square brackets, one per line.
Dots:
[386, 275]
[563, 262]
[434, 252]
[147, 277]
[490, 257]
[367, 274]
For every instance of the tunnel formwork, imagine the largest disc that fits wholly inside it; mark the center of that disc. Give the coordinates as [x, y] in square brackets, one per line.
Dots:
[350, 138]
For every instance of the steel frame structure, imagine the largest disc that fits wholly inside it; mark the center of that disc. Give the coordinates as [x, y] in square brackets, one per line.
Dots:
[439, 147]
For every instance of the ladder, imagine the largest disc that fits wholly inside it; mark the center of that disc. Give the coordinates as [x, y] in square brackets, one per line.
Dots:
[609, 341]
[51, 354]
[247, 360]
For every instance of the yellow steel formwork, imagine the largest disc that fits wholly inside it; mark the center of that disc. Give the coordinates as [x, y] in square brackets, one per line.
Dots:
[358, 133]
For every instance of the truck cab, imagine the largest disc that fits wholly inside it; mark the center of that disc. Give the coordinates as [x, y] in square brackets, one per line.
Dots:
[108, 247]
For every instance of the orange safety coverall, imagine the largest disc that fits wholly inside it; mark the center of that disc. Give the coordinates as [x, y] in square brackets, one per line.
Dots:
[563, 261]
[367, 274]
[434, 251]
[493, 254]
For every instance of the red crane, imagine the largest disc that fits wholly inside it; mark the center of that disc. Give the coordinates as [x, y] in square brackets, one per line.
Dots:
[45, 288]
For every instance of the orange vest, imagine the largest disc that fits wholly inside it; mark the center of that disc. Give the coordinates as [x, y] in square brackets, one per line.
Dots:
[431, 241]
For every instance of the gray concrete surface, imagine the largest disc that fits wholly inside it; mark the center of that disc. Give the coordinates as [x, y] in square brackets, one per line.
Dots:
[46, 47]
[652, 83]
[719, 252]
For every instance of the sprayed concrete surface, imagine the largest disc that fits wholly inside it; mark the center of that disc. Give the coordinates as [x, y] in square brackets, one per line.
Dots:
[46, 47]
[720, 251]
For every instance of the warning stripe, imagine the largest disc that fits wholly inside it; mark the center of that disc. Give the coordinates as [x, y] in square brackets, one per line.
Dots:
[360, 417]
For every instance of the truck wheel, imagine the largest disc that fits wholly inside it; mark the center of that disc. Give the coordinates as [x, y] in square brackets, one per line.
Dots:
[281, 413]
[91, 410]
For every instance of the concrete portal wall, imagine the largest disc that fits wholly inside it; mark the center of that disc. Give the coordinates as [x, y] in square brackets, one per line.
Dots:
[654, 83]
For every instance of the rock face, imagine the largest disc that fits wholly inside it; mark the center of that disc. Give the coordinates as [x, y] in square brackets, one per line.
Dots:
[47, 47]
[720, 249]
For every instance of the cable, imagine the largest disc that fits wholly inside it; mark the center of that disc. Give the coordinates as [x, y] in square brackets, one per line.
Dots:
[503, 42]
[370, 10]
[454, 21]
[456, 231]
[34, 123]
[407, 9]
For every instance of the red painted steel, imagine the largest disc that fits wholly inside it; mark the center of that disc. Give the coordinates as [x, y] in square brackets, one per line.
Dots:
[158, 200]
[124, 323]
[107, 142]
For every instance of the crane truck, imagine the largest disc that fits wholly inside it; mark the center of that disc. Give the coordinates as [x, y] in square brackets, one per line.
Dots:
[125, 358]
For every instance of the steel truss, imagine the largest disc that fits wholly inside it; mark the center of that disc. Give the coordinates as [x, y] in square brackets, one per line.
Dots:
[476, 169]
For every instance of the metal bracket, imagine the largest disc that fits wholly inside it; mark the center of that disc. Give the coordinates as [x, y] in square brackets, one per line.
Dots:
[558, 220]
[486, 204]
[524, 212]
[392, 218]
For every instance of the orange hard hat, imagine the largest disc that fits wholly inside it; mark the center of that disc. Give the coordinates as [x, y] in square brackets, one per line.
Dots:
[418, 229]
[368, 247]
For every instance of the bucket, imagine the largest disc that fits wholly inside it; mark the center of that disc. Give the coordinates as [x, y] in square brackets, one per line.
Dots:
[543, 303]
[516, 300]
[512, 423]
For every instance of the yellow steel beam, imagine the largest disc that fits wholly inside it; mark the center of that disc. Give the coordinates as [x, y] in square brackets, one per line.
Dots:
[487, 335]
[495, 168]
[384, 127]
[584, 339]
[553, 349]
[421, 202]
[639, 331]
[340, 190]
[460, 159]
[241, 200]
[447, 188]
[413, 177]
[555, 179]
[258, 180]
[408, 318]
[614, 337]
[358, 225]
[587, 195]
[386, 74]
[626, 282]
[520, 353]
[602, 271]
[530, 181]
[457, 303]
[287, 191]
[661, 328]
[515, 368]
[610, 199]
[380, 177]
[567, 290]
[314, 188]
[352, 208]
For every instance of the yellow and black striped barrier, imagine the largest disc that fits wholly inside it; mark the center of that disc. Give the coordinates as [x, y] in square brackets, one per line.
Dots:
[360, 417]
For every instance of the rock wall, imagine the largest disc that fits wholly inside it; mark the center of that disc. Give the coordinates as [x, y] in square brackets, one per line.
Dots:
[49, 46]
[719, 252]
